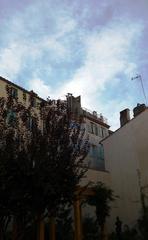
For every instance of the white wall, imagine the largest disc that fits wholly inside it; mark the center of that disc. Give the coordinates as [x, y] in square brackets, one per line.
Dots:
[126, 153]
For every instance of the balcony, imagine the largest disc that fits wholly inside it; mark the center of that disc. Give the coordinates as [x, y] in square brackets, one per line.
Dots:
[94, 115]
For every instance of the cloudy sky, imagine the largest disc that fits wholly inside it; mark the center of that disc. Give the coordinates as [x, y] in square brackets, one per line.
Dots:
[90, 48]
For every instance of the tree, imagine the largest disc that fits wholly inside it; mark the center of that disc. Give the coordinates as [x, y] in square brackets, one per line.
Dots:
[64, 224]
[101, 199]
[143, 225]
[90, 229]
[41, 160]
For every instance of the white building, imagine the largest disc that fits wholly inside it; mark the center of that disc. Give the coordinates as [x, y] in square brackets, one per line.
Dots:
[126, 159]
[96, 128]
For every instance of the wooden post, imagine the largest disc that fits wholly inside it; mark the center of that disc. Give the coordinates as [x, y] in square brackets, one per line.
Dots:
[52, 229]
[41, 230]
[77, 220]
[104, 235]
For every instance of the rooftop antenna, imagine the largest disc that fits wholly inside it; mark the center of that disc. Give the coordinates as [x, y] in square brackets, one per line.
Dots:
[140, 78]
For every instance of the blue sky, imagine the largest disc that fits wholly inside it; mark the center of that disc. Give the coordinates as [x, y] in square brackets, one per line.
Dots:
[90, 48]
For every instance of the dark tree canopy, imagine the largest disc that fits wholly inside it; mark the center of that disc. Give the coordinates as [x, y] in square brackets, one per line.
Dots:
[41, 152]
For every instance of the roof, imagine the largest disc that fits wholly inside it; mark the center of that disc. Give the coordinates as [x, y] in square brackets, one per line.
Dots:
[129, 122]
[95, 117]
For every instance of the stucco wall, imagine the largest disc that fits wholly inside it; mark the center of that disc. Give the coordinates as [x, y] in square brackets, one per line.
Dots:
[126, 155]
[20, 92]
[2, 89]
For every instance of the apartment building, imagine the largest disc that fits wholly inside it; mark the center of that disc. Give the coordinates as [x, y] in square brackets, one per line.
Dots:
[96, 126]
[19, 92]
[96, 129]
[27, 98]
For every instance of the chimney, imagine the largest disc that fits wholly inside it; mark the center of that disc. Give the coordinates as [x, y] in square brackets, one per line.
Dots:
[74, 104]
[138, 109]
[124, 117]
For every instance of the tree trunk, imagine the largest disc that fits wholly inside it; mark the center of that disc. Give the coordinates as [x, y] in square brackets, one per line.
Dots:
[1, 233]
[40, 229]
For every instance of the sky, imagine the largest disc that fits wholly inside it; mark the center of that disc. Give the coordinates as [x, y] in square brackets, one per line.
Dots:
[90, 48]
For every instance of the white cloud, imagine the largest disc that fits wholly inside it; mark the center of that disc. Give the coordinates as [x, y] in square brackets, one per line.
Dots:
[52, 44]
[11, 59]
[48, 37]
[108, 53]
[38, 86]
[25, 42]
[65, 25]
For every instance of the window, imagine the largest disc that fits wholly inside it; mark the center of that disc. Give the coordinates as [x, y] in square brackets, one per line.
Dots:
[101, 152]
[14, 92]
[32, 98]
[102, 132]
[94, 151]
[32, 124]
[93, 128]
[38, 105]
[11, 118]
[33, 102]
[96, 129]
[96, 157]
[24, 96]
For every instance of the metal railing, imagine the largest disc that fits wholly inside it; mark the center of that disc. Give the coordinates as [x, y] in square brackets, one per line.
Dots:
[95, 115]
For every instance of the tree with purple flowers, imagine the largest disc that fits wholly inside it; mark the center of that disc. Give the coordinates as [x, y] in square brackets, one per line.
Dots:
[41, 160]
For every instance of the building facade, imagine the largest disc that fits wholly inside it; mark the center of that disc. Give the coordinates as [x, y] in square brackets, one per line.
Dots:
[120, 159]
[18, 92]
[29, 99]
[96, 127]
[126, 158]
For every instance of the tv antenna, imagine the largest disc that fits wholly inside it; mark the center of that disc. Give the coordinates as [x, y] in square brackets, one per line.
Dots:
[140, 78]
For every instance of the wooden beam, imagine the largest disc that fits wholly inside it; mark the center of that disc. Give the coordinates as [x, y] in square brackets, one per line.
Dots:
[52, 229]
[83, 192]
[40, 230]
[77, 220]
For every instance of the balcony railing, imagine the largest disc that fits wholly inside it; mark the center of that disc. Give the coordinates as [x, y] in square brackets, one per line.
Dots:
[95, 115]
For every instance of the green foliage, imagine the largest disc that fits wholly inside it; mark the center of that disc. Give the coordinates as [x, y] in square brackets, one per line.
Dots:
[64, 223]
[143, 225]
[101, 200]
